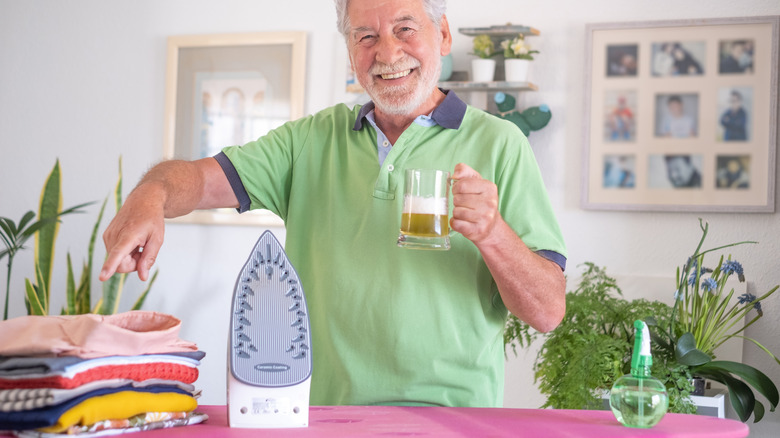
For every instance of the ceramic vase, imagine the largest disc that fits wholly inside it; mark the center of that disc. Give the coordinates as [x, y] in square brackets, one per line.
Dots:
[516, 70]
[446, 68]
[483, 70]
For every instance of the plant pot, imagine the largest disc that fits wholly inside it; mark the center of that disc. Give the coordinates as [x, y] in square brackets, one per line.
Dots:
[483, 70]
[698, 386]
[516, 70]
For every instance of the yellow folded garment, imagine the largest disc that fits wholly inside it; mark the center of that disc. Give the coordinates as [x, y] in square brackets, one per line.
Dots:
[123, 404]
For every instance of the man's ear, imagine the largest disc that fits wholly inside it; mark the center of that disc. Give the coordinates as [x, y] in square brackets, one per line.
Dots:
[446, 42]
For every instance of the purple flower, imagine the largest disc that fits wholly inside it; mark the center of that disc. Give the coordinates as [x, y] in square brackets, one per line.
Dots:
[749, 298]
[709, 285]
[733, 266]
[692, 279]
[746, 298]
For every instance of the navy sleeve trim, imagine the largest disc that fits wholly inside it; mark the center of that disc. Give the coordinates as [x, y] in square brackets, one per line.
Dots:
[553, 257]
[235, 181]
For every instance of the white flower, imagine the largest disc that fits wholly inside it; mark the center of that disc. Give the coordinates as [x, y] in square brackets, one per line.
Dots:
[519, 47]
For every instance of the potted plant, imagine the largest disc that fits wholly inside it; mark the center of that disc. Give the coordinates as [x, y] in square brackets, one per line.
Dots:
[37, 291]
[705, 316]
[483, 68]
[517, 58]
[14, 236]
[583, 356]
[580, 360]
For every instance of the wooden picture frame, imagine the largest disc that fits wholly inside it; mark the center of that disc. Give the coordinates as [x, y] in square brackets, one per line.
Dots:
[681, 115]
[229, 89]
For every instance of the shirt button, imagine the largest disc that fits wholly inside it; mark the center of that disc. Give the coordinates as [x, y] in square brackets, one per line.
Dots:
[390, 168]
[385, 143]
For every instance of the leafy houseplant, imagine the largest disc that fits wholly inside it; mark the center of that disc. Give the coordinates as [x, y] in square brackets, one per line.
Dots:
[518, 56]
[591, 348]
[14, 235]
[484, 47]
[704, 317]
[483, 68]
[78, 295]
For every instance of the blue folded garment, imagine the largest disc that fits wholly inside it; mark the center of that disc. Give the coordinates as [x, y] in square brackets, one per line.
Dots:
[44, 417]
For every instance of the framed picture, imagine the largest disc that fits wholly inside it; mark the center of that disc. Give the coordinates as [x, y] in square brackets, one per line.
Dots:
[229, 89]
[346, 89]
[681, 115]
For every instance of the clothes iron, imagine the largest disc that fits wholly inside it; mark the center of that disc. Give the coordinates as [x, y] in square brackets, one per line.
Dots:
[269, 350]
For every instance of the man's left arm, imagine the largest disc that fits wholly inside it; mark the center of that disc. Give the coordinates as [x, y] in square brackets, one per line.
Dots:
[532, 287]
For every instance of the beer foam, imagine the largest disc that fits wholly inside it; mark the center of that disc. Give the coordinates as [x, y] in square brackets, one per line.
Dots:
[425, 205]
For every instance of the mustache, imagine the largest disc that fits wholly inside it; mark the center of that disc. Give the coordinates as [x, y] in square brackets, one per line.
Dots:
[408, 63]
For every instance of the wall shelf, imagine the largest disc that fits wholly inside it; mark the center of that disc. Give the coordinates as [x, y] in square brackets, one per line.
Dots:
[481, 93]
[498, 31]
[488, 86]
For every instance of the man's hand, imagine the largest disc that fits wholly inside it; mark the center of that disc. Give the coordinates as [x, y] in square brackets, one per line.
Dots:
[135, 236]
[531, 287]
[170, 189]
[475, 204]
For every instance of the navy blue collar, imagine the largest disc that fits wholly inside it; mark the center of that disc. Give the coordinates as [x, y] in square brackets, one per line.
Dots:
[449, 114]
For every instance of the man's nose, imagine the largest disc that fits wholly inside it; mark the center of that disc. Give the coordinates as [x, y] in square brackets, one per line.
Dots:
[389, 50]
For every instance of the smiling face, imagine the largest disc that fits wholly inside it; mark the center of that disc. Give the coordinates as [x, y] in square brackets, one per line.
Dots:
[680, 171]
[395, 50]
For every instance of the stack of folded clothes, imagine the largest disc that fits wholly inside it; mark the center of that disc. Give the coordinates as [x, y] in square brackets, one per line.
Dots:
[96, 375]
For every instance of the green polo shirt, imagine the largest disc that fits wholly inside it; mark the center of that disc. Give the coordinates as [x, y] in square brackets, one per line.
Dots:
[391, 325]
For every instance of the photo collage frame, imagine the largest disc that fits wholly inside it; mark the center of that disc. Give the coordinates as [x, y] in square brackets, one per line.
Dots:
[682, 115]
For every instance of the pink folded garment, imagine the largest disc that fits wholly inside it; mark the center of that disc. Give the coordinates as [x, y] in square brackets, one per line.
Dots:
[88, 336]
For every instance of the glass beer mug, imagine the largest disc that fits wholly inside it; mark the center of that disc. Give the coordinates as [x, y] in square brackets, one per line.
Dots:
[425, 217]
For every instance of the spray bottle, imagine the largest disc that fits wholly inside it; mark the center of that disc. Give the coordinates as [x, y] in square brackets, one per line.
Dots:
[639, 399]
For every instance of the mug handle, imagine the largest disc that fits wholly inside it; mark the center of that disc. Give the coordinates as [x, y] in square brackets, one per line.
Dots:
[451, 181]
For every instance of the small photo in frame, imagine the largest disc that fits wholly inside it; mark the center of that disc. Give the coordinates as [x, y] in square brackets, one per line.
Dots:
[622, 60]
[619, 171]
[676, 115]
[678, 58]
[620, 109]
[736, 56]
[679, 171]
[735, 112]
[732, 172]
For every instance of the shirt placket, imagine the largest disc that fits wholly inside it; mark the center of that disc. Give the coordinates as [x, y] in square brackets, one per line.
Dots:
[391, 171]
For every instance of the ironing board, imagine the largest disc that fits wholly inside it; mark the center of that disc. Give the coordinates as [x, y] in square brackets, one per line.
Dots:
[384, 421]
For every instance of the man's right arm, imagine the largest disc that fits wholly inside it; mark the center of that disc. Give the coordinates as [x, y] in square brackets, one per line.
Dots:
[170, 189]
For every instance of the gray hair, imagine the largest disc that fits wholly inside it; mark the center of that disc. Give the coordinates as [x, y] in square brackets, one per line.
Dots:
[435, 9]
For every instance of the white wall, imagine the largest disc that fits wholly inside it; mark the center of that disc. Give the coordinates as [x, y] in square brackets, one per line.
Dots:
[83, 80]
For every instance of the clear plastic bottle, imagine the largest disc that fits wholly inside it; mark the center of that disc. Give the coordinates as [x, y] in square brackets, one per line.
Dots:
[639, 399]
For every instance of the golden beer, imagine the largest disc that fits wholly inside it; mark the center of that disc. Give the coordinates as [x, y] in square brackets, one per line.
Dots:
[425, 225]
[425, 214]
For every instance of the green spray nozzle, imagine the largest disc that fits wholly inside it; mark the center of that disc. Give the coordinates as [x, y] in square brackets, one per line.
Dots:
[642, 359]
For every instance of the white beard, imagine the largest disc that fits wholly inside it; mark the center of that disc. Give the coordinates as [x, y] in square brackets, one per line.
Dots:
[403, 99]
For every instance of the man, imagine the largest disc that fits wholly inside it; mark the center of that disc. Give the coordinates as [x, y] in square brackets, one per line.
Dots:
[676, 122]
[681, 171]
[736, 59]
[389, 325]
[734, 119]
